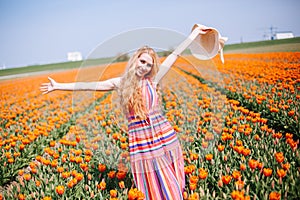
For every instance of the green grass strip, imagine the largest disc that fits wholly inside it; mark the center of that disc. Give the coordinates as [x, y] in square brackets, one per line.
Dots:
[55, 66]
[266, 43]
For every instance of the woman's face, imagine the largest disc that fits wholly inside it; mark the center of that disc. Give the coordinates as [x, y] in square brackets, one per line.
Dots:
[144, 65]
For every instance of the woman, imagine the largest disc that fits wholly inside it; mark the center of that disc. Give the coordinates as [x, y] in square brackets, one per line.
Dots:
[155, 153]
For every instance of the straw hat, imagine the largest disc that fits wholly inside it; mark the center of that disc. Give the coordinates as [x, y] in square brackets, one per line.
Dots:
[208, 43]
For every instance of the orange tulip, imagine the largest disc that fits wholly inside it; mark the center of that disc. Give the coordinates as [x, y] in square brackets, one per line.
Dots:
[291, 113]
[52, 144]
[246, 152]
[226, 179]
[21, 196]
[21, 172]
[60, 169]
[113, 193]
[72, 183]
[27, 177]
[101, 167]
[238, 195]
[202, 173]
[54, 163]
[88, 152]
[189, 169]
[239, 143]
[132, 194]
[259, 165]
[108, 130]
[194, 196]
[279, 157]
[122, 184]
[221, 147]
[34, 171]
[256, 137]
[60, 189]
[274, 196]
[204, 144]
[194, 179]
[38, 183]
[185, 195]
[77, 139]
[84, 166]
[111, 174]
[240, 184]
[56, 156]
[107, 152]
[209, 157]
[124, 145]
[289, 136]
[7, 155]
[194, 156]
[252, 164]
[281, 173]
[236, 175]
[66, 175]
[267, 172]
[121, 175]
[21, 147]
[238, 149]
[193, 186]
[79, 176]
[78, 159]
[123, 139]
[286, 166]
[17, 154]
[102, 185]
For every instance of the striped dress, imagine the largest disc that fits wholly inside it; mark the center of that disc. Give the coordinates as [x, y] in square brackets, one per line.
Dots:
[155, 153]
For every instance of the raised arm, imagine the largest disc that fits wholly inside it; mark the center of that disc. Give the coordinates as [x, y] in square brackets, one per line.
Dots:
[170, 60]
[106, 85]
[209, 42]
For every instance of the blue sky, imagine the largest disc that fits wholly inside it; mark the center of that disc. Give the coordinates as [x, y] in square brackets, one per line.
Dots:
[43, 31]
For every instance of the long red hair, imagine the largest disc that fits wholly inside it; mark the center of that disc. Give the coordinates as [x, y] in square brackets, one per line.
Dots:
[130, 88]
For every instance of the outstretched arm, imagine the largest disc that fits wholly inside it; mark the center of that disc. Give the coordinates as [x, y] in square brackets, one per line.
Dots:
[106, 85]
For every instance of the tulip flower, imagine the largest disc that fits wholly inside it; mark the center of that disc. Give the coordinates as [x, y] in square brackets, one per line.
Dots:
[60, 189]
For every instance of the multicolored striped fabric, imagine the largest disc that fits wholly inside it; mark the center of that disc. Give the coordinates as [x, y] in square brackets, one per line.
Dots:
[155, 152]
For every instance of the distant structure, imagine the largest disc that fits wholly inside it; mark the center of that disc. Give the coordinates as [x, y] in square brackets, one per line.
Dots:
[3, 67]
[284, 35]
[277, 35]
[74, 56]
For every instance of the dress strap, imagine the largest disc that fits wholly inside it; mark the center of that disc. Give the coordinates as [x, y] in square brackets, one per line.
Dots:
[151, 94]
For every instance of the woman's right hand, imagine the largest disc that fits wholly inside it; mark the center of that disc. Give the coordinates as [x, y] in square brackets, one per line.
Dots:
[48, 87]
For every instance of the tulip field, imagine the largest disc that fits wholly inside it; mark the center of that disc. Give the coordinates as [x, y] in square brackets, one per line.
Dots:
[238, 124]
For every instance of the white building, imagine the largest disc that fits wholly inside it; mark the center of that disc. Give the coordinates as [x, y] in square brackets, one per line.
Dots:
[3, 67]
[284, 35]
[74, 56]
